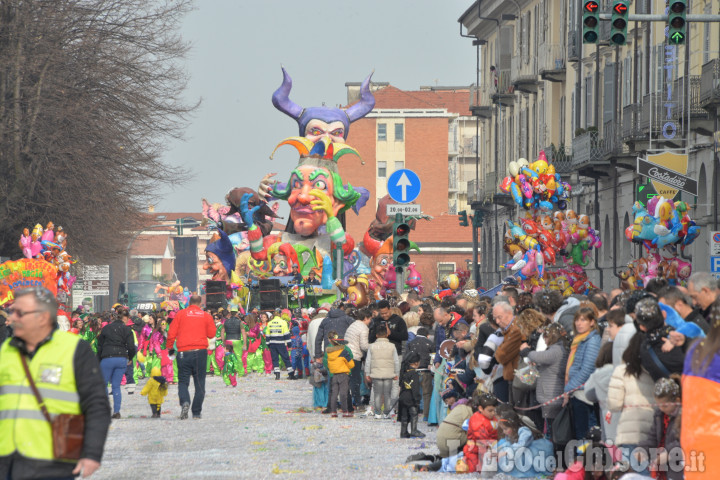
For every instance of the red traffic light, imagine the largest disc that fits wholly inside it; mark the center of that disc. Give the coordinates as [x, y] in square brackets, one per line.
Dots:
[620, 8]
[591, 22]
[402, 229]
[591, 6]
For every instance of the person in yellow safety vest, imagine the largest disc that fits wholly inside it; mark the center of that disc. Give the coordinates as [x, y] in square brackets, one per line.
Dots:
[67, 375]
[277, 337]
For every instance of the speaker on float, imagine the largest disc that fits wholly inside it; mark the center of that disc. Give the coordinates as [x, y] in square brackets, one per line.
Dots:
[271, 295]
[215, 294]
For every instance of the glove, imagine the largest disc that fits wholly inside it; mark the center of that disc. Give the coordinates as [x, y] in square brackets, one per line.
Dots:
[246, 212]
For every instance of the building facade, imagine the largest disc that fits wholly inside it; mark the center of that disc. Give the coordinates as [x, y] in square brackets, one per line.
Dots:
[431, 132]
[593, 109]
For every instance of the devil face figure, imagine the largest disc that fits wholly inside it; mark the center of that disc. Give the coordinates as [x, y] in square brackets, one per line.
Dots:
[317, 129]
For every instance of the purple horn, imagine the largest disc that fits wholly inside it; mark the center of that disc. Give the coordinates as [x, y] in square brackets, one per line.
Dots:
[281, 98]
[366, 103]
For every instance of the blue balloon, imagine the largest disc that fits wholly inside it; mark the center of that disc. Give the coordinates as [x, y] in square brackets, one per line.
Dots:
[327, 273]
[516, 193]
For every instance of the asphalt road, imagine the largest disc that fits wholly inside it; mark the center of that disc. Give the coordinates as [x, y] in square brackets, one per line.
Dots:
[262, 429]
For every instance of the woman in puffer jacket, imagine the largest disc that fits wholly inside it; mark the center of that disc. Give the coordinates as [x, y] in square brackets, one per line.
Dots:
[551, 367]
[631, 397]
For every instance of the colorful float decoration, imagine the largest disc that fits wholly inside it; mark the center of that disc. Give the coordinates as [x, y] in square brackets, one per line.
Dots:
[46, 263]
[665, 229]
[548, 231]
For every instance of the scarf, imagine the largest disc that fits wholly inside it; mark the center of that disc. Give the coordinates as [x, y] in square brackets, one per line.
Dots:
[573, 348]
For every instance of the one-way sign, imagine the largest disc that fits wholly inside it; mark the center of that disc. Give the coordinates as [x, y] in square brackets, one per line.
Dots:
[403, 186]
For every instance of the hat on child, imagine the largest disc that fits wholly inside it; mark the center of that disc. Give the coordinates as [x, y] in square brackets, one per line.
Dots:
[335, 339]
[155, 372]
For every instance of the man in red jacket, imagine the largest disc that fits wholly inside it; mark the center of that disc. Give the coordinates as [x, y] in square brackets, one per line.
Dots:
[191, 328]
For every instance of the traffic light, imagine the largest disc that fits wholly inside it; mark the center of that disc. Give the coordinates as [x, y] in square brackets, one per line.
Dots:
[463, 218]
[401, 243]
[591, 21]
[676, 21]
[619, 20]
[477, 219]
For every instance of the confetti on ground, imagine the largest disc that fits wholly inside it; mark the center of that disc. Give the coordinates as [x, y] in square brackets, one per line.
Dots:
[247, 433]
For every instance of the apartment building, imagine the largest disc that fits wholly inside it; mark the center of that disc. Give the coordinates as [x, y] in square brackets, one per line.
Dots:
[431, 132]
[593, 109]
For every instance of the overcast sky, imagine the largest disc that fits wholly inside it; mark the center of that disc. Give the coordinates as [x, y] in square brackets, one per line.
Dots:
[238, 47]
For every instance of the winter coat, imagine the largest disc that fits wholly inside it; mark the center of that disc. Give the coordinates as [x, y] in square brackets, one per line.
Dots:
[423, 347]
[625, 395]
[537, 448]
[596, 390]
[382, 360]
[701, 419]
[116, 340]
[450, 433]
[481, 433]
[398, 331]
[156, 390]
[338, 359]
[410, 389]
[622, 340]
[672, 360]
[672, 437]
[312, 331]
[508, 353]
[566, 314]
[337, 321]
[356, 337]
[584, 361]
[551, 367]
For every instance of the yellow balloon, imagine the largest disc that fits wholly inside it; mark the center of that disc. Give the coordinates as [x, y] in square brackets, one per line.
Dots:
[453, 281]
[140, 357]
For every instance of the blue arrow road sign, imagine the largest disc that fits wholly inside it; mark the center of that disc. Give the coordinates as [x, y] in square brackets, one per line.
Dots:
[403, 186]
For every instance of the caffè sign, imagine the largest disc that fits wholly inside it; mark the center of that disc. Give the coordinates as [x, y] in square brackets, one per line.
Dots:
[667, 180]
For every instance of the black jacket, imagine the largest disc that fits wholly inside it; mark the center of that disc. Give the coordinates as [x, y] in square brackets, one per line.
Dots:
[410, 388]
[696, 317]
[398, 331]
[233, 328]
[94, 405]
[116, 340]
[423, 347]
[673, 360]
[337, 321]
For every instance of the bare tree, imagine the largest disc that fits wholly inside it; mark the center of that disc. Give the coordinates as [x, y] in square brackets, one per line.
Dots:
[90, 94]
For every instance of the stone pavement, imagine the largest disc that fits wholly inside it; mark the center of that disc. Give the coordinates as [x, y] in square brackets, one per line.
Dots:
[262, 429]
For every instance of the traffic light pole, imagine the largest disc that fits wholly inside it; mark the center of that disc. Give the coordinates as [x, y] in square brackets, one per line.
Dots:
[652, 17]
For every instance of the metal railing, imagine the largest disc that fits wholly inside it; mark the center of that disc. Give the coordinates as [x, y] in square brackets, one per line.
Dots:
[587, 148]
[524, 68]
[631, 121]
[472, 191]
[710, 83]
[560, 157]
[480, 99]
[650, 112]
[683, 101]
[551, 57]
[612, 140]
[505, 85]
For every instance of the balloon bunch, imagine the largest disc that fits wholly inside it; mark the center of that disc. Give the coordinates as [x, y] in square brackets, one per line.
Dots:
[536, 185]
[663, 224]
[49, 245]
[542, 235]
[570, 280]
[660, 228]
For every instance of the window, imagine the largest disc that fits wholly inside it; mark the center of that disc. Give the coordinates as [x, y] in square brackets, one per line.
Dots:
[444, 269]
[399, 166]
[382, 169]
[382, 132]
[399, 132]
[589, 98]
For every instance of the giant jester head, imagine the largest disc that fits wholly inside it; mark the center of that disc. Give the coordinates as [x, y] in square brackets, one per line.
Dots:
[318, 122]
[317, 170]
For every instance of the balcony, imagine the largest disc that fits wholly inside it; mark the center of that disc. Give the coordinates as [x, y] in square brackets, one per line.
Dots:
[561, 157]
[650, 113]
[453, 183]
[688, 105]
[710, 85]
[480, 100]
[574, 50]
[589, 157]
[524, 73]
[552, 62]
[504, 94]
[631, 131]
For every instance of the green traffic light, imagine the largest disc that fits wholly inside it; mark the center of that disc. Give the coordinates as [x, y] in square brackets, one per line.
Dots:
[590, 37]
[677, 38]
